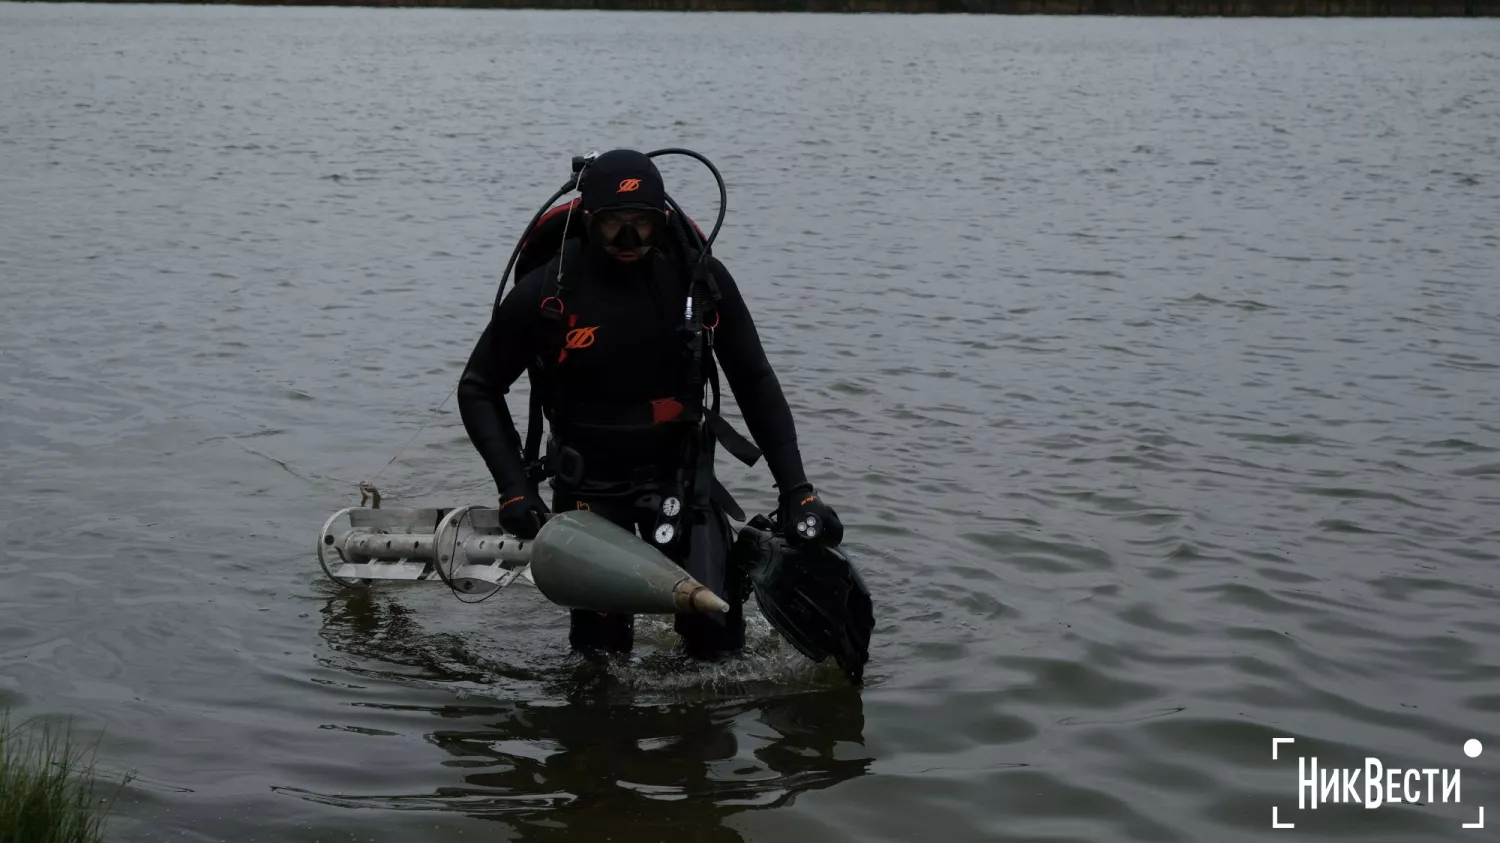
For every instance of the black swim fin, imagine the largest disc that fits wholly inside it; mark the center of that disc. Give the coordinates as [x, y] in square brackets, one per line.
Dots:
[810, 594]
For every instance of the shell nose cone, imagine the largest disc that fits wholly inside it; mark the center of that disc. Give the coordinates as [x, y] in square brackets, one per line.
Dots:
[692, 596]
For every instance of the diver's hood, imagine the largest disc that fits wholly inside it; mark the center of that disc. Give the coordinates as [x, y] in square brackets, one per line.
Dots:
[621, 178]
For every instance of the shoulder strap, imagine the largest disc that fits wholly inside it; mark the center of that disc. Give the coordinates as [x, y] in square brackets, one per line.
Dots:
[551, 333]
[733, 441]
[700, 368]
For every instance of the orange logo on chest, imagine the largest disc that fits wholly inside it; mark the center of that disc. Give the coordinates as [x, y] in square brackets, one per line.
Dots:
[581, 337]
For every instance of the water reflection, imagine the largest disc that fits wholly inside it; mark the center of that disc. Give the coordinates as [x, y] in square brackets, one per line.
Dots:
[590, 751]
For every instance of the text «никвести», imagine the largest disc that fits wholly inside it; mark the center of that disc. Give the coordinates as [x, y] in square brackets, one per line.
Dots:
[1374, 784]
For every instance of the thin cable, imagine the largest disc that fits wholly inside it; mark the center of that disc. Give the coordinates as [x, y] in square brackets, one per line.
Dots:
[563, 249]
[431, 414]
[453, 556]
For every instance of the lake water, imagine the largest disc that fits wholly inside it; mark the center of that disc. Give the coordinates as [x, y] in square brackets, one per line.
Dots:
[1152, 365]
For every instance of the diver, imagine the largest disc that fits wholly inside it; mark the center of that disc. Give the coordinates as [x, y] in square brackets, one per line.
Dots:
[618, 321]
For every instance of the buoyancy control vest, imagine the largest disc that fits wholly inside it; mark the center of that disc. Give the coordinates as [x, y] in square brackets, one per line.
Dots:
[694, 425]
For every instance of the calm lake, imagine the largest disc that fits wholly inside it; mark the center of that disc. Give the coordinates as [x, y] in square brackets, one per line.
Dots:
[1151, 364]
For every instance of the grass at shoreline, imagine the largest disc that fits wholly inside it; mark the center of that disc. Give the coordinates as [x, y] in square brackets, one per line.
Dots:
[50, 791]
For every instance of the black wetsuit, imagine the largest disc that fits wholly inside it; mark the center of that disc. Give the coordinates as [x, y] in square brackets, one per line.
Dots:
[625, 352]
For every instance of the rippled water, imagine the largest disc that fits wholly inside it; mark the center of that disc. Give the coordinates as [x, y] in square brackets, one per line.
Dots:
[1152, 364]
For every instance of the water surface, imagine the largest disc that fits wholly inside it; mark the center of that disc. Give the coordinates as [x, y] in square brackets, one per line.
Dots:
[1151, 363]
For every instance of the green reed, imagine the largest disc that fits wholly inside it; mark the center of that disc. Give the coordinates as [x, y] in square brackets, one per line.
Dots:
[50, 790]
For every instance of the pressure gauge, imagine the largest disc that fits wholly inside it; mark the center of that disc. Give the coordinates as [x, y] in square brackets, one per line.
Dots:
[670, 507]
[664, 533]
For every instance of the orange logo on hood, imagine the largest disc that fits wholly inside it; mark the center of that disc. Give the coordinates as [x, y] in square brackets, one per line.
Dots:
[628, 185]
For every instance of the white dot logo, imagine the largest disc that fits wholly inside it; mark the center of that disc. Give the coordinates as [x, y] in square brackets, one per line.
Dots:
[1472, 748]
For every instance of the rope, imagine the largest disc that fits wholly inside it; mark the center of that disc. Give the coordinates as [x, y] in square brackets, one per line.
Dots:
[367, 488]
[290, 468]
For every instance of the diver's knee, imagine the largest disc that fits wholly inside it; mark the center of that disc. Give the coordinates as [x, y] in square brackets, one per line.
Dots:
[596, 632]
[710, 637]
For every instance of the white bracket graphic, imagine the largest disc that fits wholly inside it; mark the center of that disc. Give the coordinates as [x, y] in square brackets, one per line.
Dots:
[1275, 811]
[1479, 824]
[1277, 823]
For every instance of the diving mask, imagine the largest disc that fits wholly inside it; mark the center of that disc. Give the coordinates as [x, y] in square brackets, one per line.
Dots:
[628, 228]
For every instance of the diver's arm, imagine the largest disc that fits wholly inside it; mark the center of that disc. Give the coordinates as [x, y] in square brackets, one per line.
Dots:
[754, 384]
[498, 359]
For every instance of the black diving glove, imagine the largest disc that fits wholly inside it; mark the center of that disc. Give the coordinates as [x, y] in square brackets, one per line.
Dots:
[523, 514]
[807, 519]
